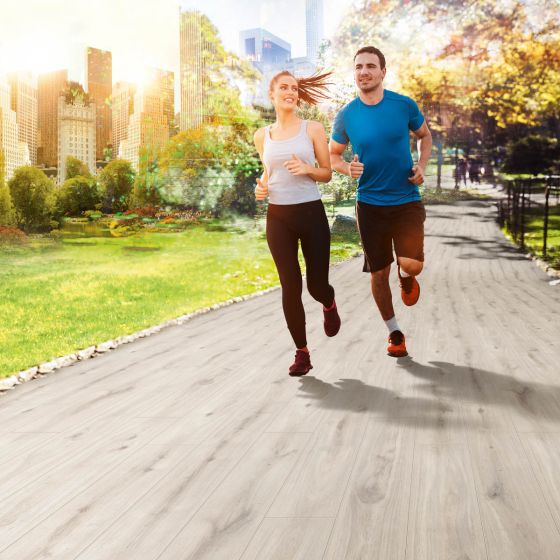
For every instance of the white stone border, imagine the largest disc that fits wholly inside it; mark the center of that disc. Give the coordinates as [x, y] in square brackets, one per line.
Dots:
[545, 267]
[93, 351]
[103, 347]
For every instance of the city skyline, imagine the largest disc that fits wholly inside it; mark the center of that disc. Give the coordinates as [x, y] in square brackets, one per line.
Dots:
[67, 122]
[56, 36]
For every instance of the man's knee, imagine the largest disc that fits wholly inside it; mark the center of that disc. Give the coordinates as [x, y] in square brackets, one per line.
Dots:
[411, 266]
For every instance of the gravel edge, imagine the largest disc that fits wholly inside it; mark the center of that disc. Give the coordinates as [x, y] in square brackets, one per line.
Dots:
[40, 370]
[103, 347]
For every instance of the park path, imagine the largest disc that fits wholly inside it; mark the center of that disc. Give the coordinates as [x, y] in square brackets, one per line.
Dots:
[195, 444]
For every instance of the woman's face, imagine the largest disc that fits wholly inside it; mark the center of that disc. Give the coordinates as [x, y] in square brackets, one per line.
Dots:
[284, 94]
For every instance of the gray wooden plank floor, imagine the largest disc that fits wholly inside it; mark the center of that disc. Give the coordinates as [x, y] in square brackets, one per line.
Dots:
[195, 444]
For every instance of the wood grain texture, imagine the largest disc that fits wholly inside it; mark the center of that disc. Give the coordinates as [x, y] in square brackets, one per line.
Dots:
[195, 443]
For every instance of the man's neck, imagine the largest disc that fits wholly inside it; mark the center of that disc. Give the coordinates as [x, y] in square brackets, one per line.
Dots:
[374, 96]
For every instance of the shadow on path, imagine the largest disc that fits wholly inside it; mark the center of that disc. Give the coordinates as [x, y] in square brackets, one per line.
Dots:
[445, 386]
[465, 383]
[486, 248]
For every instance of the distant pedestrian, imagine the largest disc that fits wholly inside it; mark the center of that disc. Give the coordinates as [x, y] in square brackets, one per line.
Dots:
[289, 150]
[474, 170]
[462, 170]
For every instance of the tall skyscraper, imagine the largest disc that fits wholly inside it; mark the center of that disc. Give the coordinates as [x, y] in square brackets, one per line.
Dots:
[268, 53]
[193, 45]
[166, 85]
[314, 28]
[76, 128]
[49, 88]
[148, 128]
[24, 103]
[99, 85]
[15, 153]
[264, 49]
[122, 107]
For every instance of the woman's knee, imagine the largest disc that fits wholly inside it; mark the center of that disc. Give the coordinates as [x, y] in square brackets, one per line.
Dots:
[320, 290]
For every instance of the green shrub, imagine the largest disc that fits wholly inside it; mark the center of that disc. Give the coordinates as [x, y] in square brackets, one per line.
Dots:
[33, 197]
[77, 195]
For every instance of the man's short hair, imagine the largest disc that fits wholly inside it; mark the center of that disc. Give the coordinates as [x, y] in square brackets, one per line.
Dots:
[372, 50]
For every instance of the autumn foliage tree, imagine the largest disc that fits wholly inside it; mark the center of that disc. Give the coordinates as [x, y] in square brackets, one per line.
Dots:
[489, 66]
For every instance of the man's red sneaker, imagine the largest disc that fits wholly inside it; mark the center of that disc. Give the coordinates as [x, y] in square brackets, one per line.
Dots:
[301, 365]
[410, 289]
[396, 347]
[331, 323]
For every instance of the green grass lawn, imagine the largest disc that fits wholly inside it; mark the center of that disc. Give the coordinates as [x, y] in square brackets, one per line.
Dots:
[534, 235]
[60, 296]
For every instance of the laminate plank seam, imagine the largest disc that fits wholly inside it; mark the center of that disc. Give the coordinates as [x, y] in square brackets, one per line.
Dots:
[477, 494]
[280, 487]
[210, 494]
[192, 446]
[216, 486]
[69, 456]
[104, 474]
[134, 397]
[354, 463]
[515, 431]
[537, 478]
[410, 492]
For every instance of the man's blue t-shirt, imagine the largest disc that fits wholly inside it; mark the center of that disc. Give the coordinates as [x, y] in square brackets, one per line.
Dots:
[379, 135]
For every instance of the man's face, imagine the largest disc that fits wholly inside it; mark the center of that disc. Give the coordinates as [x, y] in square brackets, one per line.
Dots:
[367, 72]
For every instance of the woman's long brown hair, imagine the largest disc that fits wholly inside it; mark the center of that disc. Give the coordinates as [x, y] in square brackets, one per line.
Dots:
[311, 90]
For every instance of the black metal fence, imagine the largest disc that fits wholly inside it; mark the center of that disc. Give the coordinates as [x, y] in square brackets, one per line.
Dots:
[527, 199]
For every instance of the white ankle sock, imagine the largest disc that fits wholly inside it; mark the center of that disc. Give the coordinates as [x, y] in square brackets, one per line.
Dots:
[392, 325]
[403, 273]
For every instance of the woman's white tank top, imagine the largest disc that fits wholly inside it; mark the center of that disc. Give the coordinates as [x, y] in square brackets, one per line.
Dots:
[283, 187]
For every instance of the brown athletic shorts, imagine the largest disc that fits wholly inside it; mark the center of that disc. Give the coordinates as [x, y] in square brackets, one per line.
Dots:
[382, 226]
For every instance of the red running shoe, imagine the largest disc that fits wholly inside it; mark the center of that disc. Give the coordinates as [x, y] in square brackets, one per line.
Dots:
[410, 289]
[396, 347]
[301, 365]
[331, 323]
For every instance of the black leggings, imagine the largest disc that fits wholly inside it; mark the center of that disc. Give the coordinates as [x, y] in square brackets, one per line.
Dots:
[285, 225]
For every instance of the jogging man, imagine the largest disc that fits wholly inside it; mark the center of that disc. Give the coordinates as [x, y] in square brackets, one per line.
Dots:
[389, 208]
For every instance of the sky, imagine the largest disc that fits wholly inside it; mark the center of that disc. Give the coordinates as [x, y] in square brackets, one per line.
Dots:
[41, 36]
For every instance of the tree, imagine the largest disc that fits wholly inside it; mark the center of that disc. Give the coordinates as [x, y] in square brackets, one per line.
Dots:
[239, 197]
[6, 206]
[488, 65]
[532, 154]
[33, 196]
[115, 181]
[75, 168]
[215, 157]
[148, 182]
[77, 195]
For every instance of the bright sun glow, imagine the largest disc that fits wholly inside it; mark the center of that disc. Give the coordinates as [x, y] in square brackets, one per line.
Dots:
[135, 74]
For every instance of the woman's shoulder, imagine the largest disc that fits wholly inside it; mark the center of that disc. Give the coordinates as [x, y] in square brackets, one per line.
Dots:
[315, 128]
[259, 134]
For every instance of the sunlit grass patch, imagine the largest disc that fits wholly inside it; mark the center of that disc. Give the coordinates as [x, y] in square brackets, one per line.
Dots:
[58, 296]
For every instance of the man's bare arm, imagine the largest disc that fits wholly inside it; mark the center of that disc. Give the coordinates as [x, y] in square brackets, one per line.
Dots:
[424, 137]
[353, 169]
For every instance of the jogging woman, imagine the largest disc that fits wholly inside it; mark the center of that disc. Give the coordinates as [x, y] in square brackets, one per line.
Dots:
[295, 156]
